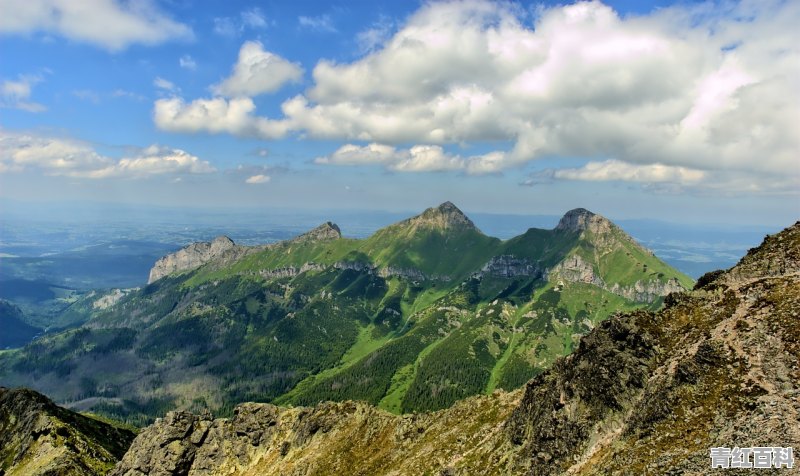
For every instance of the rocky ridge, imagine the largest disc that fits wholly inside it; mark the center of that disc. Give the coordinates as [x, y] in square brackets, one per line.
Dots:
[222, 250]
[576, 269]
[644, 393]
[193, 256]
[39, 438]
[444, 217]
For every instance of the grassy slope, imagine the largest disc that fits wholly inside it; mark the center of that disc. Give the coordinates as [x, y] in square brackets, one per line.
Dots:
[344, 334]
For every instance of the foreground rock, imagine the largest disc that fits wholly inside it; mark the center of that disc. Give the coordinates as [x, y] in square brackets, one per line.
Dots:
[39, 438]
[644, 393]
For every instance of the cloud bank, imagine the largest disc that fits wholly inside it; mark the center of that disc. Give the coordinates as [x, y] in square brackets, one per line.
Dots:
[110, 24]
[55, 156]
[685, 92]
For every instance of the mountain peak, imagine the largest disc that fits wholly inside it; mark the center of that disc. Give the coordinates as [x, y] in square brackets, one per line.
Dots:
[580, 219]
[445, 216]
[325, 232]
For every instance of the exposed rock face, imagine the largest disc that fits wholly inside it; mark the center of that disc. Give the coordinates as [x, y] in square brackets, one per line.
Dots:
[39, 438]
[605, 234]
[325, 232]
[332, 438]
[581, 219]
[577, 270]
[290, 271]
[191, 257]
[644, 393]
[646, 291]
[444, 217]
[509, 266]
[384, 272]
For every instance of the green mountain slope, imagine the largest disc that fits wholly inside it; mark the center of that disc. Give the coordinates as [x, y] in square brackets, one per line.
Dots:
[643, 393]
[422, 313]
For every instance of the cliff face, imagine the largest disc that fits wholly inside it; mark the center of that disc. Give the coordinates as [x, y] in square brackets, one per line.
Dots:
[644, 393]
[39, 438]
[192, 256]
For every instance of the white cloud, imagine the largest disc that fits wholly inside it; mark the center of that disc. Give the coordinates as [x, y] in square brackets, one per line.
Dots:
[254, 18]
[250, 19]
[187, 62]
[702, 87]
[419, 158]
[376, 35]
[258, 71]
[622, 171]
[57, 156]
[165, 85]
[218, 115]
[15, 94]
[321, 23]
[260, 178]
[109, 24]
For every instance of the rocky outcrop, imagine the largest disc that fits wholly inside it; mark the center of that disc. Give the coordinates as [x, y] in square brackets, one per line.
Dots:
[576, 269]
[509, 266]
[289, 271]
[646, 291]
[349, 438]
[359, 266]
[325, 232]
[605, 235]
[446, 216]
[579, 220]
[193, 256]
[39, 438]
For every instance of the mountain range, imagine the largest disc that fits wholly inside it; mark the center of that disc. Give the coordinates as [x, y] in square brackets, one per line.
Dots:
[644, 392]
[421, 314]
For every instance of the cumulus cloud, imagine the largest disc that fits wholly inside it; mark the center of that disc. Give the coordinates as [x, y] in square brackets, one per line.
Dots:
[57, 156]
[109, 24]
[622, 171]
[217, 115]
[15, 94]
[698, 87]
[260, 178]
[258, 71]
[419, 158]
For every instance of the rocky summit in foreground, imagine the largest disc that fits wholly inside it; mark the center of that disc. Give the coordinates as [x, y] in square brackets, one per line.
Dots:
[39, 438]
[643, 393]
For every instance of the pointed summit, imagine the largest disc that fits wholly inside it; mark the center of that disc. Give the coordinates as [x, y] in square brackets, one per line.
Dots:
[446, 216]
[579, 220]
[325, 232]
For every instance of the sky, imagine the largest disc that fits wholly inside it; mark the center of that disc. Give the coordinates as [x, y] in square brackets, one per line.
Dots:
[686, 112]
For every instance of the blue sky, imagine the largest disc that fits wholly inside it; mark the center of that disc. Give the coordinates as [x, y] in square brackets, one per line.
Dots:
[686, 112]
